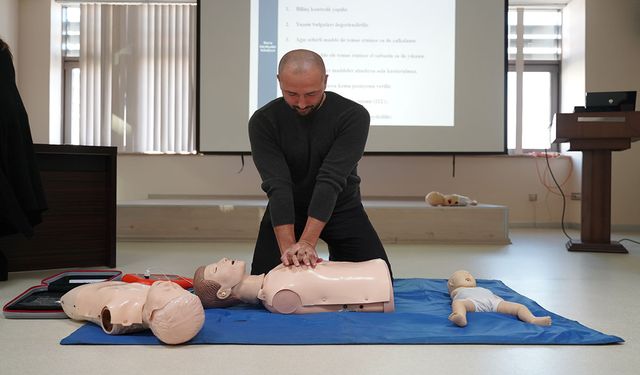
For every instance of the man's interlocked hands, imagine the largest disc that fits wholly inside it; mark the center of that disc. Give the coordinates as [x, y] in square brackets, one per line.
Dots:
[300, 253]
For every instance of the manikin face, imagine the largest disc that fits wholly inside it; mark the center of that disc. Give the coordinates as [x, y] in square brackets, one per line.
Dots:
[303, 91]
[226, 272]
[461, 279]
[452, 200]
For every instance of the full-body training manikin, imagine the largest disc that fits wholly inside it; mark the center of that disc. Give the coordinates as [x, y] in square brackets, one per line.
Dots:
[329, 286]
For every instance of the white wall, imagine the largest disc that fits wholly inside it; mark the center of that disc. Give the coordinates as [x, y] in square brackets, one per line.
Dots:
[613, 64]
[573, 56]
[496, 179]
[601, 50]
[9, 24]
[38, 66]
[573, 80]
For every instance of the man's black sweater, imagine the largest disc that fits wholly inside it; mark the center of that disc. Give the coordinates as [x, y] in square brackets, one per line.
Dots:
[308, 164]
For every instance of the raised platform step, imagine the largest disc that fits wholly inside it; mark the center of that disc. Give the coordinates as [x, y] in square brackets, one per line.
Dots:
[400, 220]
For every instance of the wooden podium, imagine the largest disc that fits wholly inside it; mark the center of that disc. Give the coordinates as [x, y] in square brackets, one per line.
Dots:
[596, 134]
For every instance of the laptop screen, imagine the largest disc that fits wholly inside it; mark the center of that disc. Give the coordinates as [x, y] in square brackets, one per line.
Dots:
[611, 101]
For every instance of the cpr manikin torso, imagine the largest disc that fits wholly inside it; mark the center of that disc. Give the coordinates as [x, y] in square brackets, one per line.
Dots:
[330, 286]
[173, 314]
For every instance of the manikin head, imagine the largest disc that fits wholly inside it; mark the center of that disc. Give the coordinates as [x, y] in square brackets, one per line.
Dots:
[460, 279]
[173, 314]
[303, 80]
[214, 283]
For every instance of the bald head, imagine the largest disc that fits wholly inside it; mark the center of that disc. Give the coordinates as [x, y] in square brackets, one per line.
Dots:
[303, 80]
[301, 61]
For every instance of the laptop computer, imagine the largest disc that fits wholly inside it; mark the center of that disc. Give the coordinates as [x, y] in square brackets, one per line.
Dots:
[612, 101]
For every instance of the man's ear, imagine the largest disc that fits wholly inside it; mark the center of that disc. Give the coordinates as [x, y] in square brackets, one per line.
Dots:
[223, 293]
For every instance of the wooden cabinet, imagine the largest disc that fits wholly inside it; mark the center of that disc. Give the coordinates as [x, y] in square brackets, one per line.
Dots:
[79, 228]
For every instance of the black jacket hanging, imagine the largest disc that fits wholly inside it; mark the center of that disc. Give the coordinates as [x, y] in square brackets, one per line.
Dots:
[22, 198]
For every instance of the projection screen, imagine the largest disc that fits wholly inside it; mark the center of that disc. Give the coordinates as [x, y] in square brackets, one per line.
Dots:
[431, 73]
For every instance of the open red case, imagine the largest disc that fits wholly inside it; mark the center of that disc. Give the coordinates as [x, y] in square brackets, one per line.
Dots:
[43, 301]
[149, 279]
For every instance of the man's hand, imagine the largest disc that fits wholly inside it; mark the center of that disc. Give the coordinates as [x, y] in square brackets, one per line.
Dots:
[300, 253]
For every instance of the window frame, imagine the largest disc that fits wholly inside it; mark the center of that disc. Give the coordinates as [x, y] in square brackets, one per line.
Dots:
[530, 65]
[553, 68]
[69, 64]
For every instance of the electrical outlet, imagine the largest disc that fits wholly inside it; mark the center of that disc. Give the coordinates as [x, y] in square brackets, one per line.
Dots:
[533, 197]
[576, 196]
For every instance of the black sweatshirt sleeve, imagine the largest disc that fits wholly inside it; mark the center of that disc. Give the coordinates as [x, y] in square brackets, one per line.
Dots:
[273, 169]
[342, 159]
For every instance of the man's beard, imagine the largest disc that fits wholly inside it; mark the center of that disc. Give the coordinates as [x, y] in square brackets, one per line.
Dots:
[307, 110]
[310, 108]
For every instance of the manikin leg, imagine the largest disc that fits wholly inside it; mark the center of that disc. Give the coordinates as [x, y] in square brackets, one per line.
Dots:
[523, 313]
[459, 311]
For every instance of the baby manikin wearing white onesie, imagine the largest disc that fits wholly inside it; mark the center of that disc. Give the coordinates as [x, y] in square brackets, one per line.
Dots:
[483, 299]
[467, 296]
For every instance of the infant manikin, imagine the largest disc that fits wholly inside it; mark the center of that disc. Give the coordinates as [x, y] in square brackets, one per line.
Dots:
[467, 297]
[329, 286]
[173, 314]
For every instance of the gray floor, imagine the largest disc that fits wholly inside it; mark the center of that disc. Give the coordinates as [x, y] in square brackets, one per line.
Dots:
[597, 290]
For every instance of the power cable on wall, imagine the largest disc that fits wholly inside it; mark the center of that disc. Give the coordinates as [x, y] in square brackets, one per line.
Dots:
[564, 199]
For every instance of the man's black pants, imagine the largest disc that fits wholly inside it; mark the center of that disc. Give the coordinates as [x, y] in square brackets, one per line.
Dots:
[348, 234]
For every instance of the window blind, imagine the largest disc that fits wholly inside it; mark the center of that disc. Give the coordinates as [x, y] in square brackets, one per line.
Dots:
[137, 77]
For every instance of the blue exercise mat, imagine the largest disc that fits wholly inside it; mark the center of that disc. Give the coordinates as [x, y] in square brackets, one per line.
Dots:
[422, 309]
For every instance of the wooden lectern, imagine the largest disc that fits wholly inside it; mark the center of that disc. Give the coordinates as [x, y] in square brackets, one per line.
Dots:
[596, 134]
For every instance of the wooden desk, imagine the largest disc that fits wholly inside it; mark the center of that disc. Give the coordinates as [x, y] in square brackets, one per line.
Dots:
[79, 228]
[596, 134]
